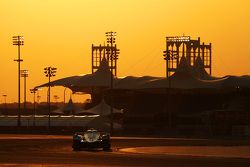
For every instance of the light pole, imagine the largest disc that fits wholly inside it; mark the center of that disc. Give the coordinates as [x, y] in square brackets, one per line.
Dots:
[34, 105]
[169, 55]
[49, 72]
[5, 104]
[24, 74]
[38, 96]
[111, 36]
[18, 40]
[64, 95]
[56, 98]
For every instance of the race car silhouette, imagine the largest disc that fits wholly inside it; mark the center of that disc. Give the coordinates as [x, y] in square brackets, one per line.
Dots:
[90, 139]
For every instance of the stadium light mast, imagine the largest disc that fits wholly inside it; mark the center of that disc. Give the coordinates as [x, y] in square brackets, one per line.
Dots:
[111, 36]
[34, 105]
[169, 55]
[24, 74]
[18, 40]
[49, 72]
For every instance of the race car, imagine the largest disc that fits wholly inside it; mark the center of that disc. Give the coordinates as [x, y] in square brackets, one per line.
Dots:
[90, 139]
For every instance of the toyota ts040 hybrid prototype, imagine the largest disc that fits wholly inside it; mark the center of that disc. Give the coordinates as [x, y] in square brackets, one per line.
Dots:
[91, 139]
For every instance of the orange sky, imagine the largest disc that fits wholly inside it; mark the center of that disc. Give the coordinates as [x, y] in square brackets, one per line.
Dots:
[60, 33]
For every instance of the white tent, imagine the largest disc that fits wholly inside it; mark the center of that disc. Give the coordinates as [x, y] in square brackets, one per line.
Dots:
[103, 124]
[69, 109]
[102, 109]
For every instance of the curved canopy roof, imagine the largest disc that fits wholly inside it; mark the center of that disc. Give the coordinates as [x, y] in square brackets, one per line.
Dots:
[185, 77]
[182, 80]
[131, 82]
[84, 83]
[66, 82]
[100, 78]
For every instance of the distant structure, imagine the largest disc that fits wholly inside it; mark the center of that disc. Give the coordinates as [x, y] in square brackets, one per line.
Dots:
[192, 49]
[104, 51]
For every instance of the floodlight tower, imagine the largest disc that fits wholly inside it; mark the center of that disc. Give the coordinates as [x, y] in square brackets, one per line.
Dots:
[169, 56]
[24, 74]
[18, 40]
[111, 40]
[49, 72]
[34, 109]
[111, 37]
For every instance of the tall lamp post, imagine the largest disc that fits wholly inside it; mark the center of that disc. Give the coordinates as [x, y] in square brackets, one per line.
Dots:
[5, 104]
[169, 55]
[49, 72]
[111, 40]
[56, 98]
[18, 40]
[34, 105]
[64, 95]
[24, 74]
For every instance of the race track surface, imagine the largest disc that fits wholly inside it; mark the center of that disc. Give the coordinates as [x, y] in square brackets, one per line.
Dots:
[51, 150]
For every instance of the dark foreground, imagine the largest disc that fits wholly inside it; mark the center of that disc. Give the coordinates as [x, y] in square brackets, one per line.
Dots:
[37, 150]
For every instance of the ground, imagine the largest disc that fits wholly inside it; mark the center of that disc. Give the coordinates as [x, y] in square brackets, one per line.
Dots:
[52, 150]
